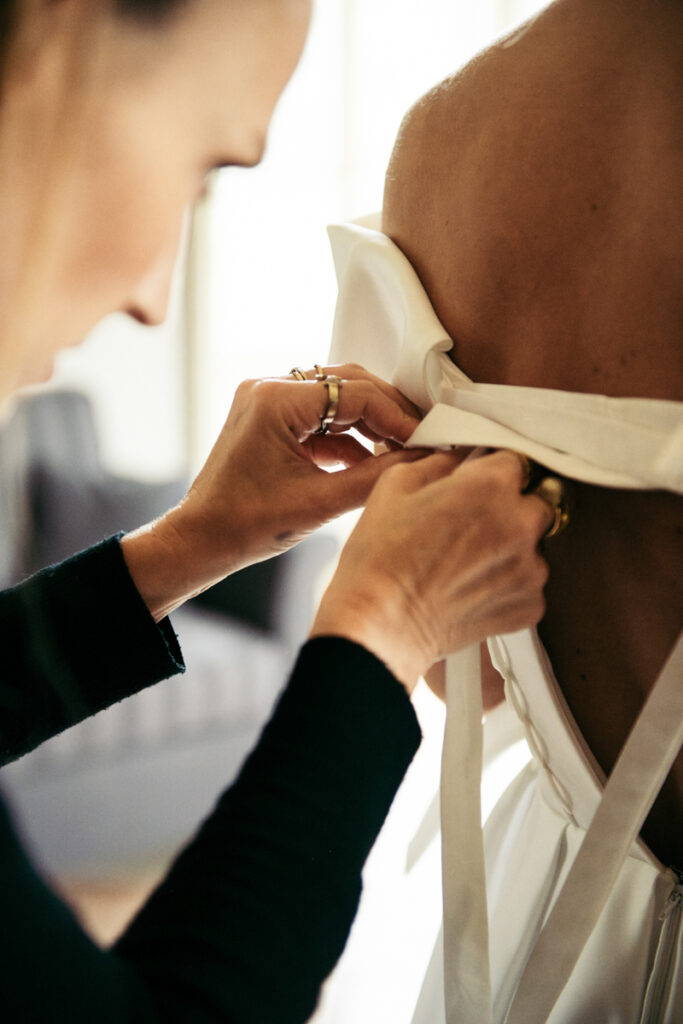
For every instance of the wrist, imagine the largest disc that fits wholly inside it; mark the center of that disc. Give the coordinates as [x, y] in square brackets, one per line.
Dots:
[154, 568]
[167, 563]
[380, 627]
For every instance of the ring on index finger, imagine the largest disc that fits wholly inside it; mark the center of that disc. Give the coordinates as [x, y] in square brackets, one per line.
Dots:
[532, 471]
[297, 372]
[554, 492]
[333, 385]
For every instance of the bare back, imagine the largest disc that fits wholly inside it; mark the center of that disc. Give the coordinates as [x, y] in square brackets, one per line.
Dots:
[539, 196]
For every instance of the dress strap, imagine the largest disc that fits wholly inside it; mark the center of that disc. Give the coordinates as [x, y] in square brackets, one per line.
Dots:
[466, 939]
[631, 790]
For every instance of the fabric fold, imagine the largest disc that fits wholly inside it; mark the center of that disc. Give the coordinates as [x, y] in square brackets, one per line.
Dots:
[385, 321]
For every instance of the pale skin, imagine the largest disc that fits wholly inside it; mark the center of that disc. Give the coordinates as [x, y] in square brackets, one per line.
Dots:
[93, 106]
[539, 195]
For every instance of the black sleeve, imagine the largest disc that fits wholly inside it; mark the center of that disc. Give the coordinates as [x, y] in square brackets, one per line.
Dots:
[75, 638]
[255, 912]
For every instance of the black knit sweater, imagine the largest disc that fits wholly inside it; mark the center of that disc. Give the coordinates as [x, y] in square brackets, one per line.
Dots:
[255, 912]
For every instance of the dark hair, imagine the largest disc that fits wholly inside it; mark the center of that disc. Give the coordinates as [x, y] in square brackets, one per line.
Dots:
[143, 10]
[8, 15]
[8, 9]
[148, 10]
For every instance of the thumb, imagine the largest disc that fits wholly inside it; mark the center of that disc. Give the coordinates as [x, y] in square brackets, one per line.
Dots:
[350, 488]
[432, 467]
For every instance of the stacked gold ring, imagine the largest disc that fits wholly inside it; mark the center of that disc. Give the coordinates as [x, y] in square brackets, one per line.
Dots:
[333, 385]
[551, 489]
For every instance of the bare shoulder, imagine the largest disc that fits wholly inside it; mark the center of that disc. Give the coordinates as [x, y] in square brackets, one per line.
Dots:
[431, 134]
[538, 193]
[572, 49]
[444, 123]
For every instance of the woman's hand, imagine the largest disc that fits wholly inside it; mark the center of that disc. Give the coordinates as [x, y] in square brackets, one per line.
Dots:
[445, 554]
[265, 484]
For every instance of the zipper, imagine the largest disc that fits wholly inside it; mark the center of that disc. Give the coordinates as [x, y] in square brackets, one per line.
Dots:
[661, 978]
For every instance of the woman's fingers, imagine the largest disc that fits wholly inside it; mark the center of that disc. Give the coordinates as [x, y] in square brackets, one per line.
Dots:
[334, 450]
[351, 488]
[352, 371]
[371, 406]
[445, 554]
[368, 407]
[543, 511]
[432, 467]
[366, 403]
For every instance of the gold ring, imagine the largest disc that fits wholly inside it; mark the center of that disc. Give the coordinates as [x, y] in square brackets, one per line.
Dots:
[319, 372]
[333, 385]
[297, 372]
[554, 492]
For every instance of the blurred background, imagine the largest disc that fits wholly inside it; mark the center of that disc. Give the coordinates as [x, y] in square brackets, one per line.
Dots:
[132, 414]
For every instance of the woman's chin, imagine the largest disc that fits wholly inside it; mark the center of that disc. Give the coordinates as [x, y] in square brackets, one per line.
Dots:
[45, 371]
[40, 372]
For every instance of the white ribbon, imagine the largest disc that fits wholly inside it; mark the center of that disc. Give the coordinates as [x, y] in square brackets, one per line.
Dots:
[465, 919]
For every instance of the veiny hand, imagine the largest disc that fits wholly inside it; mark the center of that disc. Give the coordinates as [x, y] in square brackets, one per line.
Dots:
[445, 554]
[265, 484]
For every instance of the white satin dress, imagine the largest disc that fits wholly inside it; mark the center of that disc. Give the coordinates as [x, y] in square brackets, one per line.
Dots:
[534, 930]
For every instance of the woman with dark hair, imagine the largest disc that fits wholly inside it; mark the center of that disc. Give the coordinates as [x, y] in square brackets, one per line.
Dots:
[111, 116]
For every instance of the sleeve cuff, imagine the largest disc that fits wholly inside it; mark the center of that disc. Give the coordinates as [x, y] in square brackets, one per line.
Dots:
[83, 639]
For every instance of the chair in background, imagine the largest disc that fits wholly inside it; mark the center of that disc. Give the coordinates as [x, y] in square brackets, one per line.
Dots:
[127, 786]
